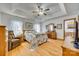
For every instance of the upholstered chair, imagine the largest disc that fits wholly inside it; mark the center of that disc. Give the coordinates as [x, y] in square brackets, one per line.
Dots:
[12, 40]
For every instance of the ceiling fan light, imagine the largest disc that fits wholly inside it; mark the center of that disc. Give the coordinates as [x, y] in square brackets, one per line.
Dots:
[41, 13]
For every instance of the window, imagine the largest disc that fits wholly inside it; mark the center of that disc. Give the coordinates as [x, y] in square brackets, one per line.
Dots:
[37, 28]
[16, 26]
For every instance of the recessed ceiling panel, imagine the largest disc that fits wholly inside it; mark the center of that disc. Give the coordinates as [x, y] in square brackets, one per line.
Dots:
[26, 9]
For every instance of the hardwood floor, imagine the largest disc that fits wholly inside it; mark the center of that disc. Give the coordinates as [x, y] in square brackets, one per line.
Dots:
[50, 48]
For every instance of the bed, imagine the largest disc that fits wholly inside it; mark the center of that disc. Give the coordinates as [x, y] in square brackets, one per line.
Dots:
[35, 39]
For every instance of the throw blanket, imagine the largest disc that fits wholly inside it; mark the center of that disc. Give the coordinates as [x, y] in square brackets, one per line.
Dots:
[35, 39]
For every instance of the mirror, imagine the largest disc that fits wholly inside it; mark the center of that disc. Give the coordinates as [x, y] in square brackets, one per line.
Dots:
[50, 27]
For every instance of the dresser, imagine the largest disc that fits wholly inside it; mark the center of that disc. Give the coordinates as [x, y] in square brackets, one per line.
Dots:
[2, 40]
[52, 35]
[69, 50]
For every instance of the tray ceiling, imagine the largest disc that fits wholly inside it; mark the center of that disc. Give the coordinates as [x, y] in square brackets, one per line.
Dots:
[25, 10]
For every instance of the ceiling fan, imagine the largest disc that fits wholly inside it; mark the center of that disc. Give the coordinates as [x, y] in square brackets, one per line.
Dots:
[41, 11]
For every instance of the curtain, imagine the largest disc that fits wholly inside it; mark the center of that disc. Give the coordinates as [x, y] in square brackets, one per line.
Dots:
[16, 26]
[37, 28]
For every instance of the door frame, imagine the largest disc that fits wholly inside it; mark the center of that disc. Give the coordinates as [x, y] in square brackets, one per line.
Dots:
[64, 24]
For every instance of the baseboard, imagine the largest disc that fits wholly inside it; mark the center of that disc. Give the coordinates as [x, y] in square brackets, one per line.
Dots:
[60, 39]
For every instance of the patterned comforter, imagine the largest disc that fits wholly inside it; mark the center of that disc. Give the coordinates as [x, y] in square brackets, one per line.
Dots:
[35, 39]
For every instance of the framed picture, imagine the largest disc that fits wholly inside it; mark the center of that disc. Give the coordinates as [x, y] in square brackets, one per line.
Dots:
[59, 26]
[28, 26]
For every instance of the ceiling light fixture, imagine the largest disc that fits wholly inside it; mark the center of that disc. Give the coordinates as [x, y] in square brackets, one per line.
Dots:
[40, 13]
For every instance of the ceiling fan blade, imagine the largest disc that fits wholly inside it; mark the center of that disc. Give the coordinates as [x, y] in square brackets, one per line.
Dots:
[47, 9]
[40, 9]
[38, 15]
[45, 14]
[38, 6]
[34, 11]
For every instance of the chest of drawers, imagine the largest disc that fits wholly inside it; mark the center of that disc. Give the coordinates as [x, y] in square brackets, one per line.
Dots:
[52, 35]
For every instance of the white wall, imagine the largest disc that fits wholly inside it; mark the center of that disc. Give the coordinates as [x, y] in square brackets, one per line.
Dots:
[0, 18]
[37, 27]
[12, 22]
[60, 20]
[7, 20]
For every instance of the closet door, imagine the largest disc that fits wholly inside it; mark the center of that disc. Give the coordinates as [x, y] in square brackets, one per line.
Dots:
[70, 31]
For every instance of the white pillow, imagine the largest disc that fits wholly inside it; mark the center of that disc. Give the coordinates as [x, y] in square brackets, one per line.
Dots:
[29, 36]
